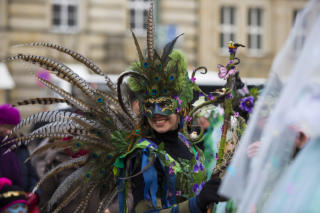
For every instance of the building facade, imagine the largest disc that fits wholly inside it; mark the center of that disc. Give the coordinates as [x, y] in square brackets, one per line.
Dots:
[100, 30]
[261, 25]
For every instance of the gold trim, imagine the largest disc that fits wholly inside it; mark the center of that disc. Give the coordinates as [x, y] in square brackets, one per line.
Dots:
[12, 194]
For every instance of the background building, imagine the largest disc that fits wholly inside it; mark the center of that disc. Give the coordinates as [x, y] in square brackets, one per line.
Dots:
[100, 30]
[262, 26]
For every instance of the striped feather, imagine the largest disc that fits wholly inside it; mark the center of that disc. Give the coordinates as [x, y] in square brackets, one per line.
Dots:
[43, 101]
[76, 102]
[150, 33]
[61, 167]
[85, 200]
[59, 69]
[77, 56]
[67, 184]
[56, 145]
[61, 127]
[68, 199]
[49, 116]
[137, 47]
[107, 200]
[23, 139]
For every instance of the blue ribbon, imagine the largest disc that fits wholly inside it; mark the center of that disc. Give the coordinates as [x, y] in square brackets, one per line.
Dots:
[150, 177]
[121, 191]
[172, 188]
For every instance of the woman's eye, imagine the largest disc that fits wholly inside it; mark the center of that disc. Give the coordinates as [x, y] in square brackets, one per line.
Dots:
[164, 104]
[148, 106]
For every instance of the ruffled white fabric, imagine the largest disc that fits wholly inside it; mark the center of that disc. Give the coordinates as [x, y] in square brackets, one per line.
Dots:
[289, 103]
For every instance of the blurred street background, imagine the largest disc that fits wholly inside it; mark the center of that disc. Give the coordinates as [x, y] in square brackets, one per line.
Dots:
[100, 30]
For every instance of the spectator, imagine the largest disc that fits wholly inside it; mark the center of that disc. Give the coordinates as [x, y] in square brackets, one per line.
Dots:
[21, 174]
[12, 198]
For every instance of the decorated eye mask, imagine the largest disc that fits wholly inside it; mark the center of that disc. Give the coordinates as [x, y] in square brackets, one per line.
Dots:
[161, 106]
[18, 208]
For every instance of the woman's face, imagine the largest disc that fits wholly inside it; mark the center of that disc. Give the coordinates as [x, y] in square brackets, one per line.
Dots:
[17, 208]
[5, 129]
[164, 123]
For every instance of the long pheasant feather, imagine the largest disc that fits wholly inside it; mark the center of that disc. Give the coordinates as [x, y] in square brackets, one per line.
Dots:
[63, 166]
[59, 69]
[84, 202]
[56, 145]
[68, 199]
[42, 101]
[150, 33]
[66, 95]
[137, 47]
[77, 56]
[66, 184]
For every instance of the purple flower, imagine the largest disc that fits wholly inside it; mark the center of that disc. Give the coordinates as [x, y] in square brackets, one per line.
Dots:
[178, 193]
[246, 104]
[230, 62]
[201, 94]
[201, 167]
[193, 79]
[179, 100]
[229, 96]
[197, 156]
[196, 168]
[201, 186]
[195, 187]
[187, 118]
[210, 96]
[236, 114]
[232, 50]
[217, 156]
[171, 171]
[178, 109]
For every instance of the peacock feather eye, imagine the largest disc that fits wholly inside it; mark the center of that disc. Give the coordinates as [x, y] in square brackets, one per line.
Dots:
[95, 155]
[102, 170]
[79, 144]
[146, 93]
[164, 91]
[171, 77]
[88, 175]
[100, 100]
[154, 92]
[156, 78]
[145, 65]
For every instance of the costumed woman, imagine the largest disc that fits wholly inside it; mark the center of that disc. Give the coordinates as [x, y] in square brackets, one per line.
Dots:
[142, 152]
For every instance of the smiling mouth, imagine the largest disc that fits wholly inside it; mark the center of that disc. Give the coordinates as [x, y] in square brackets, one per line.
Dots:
[159, 120]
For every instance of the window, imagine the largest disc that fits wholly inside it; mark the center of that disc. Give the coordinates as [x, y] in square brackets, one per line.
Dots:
[227, 31]
[65, 15]
[255, 30]
[138, 12]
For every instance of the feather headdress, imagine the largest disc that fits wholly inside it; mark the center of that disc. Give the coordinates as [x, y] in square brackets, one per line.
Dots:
[104, 124]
